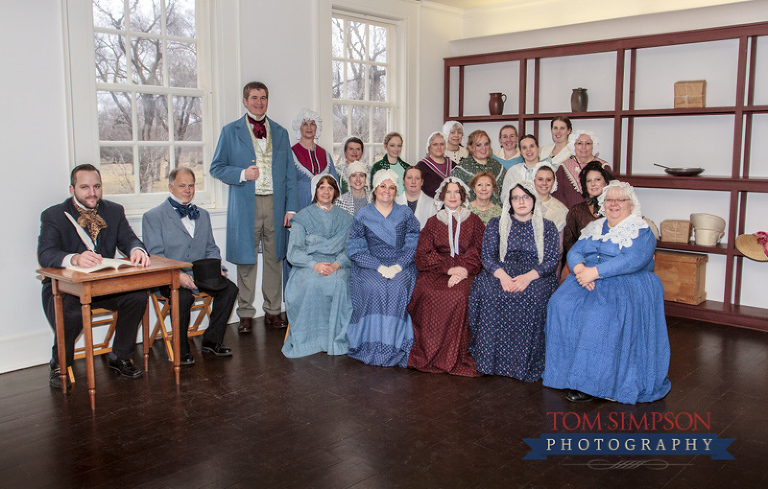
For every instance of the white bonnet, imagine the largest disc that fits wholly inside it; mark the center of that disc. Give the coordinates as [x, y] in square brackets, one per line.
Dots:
[627, 190]
[450, 125]
[307, 115]
[382, 175]
[432, 136]
[575, 135]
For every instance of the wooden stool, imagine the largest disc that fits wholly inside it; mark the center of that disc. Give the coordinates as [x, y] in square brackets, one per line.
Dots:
[104, 346]
[201, 302]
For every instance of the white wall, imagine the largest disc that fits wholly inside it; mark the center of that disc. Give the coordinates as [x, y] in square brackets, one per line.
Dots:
[33, 122]
[33, 151]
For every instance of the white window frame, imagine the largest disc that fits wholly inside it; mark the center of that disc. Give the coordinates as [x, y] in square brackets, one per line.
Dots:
[83, 129]
[394, 79]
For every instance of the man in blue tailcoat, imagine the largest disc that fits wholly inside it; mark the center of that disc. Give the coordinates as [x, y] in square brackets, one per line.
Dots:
[253, 156]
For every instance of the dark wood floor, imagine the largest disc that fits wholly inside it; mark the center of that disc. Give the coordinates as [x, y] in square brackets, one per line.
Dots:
[259, 420]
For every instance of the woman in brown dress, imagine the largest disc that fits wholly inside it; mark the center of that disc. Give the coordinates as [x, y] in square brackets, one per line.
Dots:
[448, 258]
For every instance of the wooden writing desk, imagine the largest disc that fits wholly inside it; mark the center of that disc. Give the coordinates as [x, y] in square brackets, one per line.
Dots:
[163, 271]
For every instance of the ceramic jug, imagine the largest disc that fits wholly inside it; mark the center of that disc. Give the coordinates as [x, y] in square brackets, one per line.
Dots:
[496, 104]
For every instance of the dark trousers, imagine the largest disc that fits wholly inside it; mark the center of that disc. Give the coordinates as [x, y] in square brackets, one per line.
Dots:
[223, 300]
[130, 309]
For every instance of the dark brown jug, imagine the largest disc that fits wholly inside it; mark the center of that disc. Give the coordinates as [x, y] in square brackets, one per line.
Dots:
[496, 104]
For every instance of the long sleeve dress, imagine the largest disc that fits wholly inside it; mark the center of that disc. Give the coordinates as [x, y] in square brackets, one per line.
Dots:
[577, 219]
[469, 167]
[612, 341]
[380, 331]
[508, 327]
[308, 163]
[439, 313]
[568, 182]
[319, 307]
[434, 173]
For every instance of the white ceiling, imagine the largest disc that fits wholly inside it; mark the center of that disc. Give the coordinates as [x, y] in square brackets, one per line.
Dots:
[465, 4]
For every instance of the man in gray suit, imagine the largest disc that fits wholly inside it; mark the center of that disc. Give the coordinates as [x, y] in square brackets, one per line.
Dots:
[179, 230]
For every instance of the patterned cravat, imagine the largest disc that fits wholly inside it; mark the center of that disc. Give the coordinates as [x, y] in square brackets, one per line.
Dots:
[90, 220]
[188, 210]
[259, 130]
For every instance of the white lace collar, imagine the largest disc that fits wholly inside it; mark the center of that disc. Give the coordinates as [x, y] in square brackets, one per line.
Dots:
[621, 234]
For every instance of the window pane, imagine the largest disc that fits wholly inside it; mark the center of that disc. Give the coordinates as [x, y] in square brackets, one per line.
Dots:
[147, 61]
[357, 35]
[117, 170]
[145, 16]
[337, 38]
[181, 18]
[182, 64]
[109, 52]
[355, 81]
[378, 46]
[191, 157]
[152, 117]
[153, 169]
[380, 123]
[360, 124]
[108, 13]
[337, 85]
[340, 127]
[378, 88]
[114, 109]
[187, 119]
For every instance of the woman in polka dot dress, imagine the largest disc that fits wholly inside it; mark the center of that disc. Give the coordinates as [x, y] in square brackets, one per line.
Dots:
[508, 301]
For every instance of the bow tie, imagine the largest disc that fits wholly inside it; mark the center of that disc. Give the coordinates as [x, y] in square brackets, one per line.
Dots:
[188, 210]
[259, 129]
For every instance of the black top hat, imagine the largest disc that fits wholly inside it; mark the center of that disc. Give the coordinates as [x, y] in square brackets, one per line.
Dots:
[207, 275]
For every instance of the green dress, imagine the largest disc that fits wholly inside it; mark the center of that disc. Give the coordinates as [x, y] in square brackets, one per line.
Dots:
[468, 167]
[486, 215]
[399, 168]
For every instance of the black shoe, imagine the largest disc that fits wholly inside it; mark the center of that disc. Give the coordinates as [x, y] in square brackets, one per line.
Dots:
[217, 349]
[125, 368]
[577, 396]
[54, 379]
[187, 359]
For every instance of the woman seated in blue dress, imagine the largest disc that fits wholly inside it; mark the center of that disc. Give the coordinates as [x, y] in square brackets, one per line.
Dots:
[606, 332]
[382, 244]
[317, 293]
[508, 299]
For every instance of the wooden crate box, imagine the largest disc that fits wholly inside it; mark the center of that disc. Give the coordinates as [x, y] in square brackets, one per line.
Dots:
[683, 276]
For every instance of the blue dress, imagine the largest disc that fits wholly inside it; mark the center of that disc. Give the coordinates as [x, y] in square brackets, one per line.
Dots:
[508, 327]
[380, 331]
[610, 342]
[318, 306]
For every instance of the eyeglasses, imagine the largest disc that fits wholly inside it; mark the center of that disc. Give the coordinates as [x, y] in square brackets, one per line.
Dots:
[616, 201]
[521, 198]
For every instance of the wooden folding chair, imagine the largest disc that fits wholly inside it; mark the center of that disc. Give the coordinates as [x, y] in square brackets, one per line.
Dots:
[98, 348]
[202, 303]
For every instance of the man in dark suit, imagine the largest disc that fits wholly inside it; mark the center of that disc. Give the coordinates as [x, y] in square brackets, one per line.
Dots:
[255, 159]
[60, 245]
[179, 230]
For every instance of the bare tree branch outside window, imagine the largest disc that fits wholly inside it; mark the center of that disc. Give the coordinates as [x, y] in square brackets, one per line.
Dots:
[148, 101]
[362, 102]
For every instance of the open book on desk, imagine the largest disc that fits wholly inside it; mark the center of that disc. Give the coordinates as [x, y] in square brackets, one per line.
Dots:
[105, 264]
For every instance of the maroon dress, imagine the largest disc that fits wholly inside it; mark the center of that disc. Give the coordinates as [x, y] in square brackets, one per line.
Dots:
[439, 314]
